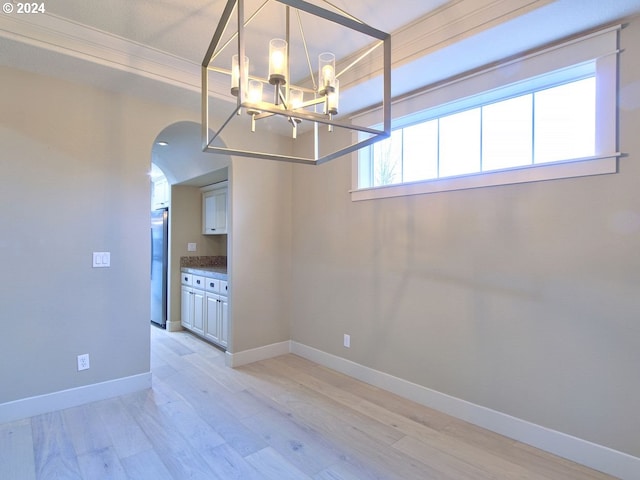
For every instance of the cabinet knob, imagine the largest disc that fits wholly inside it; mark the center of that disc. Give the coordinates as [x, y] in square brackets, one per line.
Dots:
[212, 229]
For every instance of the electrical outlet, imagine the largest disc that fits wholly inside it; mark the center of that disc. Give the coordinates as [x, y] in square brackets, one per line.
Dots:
[83, 362]
[347, 341]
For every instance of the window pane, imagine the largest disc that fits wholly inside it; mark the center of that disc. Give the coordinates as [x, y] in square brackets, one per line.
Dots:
[460, 143]
[506, 133]
[420, 155]
[365, 166]
[387, 160]
[565, 121]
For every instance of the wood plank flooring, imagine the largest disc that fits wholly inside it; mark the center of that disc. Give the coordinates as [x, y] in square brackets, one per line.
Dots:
[279, 419]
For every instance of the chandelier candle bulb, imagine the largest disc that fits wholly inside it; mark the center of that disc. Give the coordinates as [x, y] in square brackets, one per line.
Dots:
[277, 61]
[255, 91]
[235, 75]
[327, 75]
[327, 72]
[296, 98]
[254, 96]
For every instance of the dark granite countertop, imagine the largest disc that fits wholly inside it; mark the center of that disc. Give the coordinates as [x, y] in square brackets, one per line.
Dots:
[207, 266]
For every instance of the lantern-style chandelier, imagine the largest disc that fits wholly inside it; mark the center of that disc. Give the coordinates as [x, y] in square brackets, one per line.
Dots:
[313, 100]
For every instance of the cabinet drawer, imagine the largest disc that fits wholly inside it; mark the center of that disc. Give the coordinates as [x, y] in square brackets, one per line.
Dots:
[198, 281]
[212, 285]
[187, 279]
[224, 287]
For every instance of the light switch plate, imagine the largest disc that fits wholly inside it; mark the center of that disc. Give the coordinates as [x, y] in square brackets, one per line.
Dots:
[191, 247]
[101, 259]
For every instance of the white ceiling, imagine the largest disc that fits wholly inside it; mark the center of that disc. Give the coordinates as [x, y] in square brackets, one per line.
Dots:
[154, 48]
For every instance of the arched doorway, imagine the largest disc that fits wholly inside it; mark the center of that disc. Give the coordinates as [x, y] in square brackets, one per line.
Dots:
[177, 151]
[179, 168]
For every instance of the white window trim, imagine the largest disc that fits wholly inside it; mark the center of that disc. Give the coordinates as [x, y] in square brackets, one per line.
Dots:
[600, 46]
[535, 173]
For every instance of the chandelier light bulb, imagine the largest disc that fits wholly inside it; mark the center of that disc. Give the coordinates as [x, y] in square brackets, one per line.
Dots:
[235, 75]
[277, 61]
[296, 98]
[327, 72]
[327, 75]
[255, 94]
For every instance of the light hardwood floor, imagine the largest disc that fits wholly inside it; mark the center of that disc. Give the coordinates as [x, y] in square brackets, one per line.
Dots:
[279, 419]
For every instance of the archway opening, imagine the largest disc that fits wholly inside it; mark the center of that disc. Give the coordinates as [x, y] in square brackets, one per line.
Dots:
[179, 169]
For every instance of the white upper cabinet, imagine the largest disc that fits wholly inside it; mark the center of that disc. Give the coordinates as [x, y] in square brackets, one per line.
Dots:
[214, 209]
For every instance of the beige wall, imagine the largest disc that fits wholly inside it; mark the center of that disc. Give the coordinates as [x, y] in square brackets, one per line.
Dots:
[74, 179]
[521, 298]
[259, 253]
[75, 163]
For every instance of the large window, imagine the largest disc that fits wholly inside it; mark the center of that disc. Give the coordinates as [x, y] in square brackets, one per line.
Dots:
[556, 120]
[554, 124]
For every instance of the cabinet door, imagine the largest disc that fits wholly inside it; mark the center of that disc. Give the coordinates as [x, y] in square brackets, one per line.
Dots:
[208, 213]
[211, 318]
[214, 212]
[221, 211]
[224, 321]
[186, 307]
[198, 311]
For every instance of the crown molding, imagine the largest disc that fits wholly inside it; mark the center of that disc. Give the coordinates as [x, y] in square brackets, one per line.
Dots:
[57, 34]
[454, 21]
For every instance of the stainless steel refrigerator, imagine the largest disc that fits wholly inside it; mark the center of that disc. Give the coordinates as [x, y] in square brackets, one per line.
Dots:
[159, 260]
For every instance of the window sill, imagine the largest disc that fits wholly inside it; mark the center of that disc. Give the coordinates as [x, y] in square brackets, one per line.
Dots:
[549, 171]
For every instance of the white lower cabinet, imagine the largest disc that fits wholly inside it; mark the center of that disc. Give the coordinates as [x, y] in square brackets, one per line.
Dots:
[217, 321]
[186, 306]
[224, 321]
[205, 311]
[192, 309]
[213, 318]
[198, 311]
[217, 324]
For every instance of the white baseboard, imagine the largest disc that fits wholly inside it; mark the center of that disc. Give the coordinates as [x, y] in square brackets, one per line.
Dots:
[73, 397]
[586, 453]
[256, 354]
